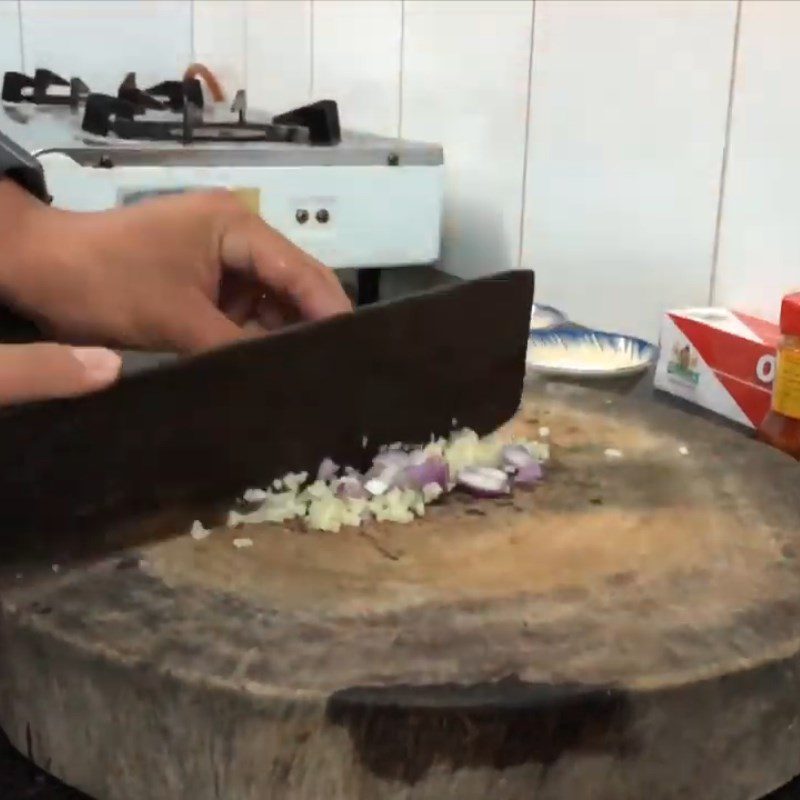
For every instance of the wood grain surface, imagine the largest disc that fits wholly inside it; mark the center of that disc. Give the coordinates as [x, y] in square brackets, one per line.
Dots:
[630, 629]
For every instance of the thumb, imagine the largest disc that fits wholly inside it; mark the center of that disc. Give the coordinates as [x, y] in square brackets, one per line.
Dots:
[41, 371]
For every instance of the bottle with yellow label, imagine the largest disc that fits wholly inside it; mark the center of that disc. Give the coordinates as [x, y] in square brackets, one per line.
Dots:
[781, 426]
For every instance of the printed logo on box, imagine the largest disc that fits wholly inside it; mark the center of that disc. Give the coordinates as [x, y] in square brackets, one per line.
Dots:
[734, 353]
[683, 365]
[765, 369]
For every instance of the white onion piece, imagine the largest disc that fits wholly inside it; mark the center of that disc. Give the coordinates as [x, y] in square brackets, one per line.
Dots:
[327, 470]
[529, 475]
[517, 456]
[243, 542]
[294, 480]
[350, 487]
[417, 457]
[198, 531]
[255, 496]
[376, 487]
[484, 481]
[394, 460]
[431, 491]
[316, 491]
[435, 448]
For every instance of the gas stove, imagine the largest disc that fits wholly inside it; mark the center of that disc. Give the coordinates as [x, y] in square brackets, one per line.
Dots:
[352, 199]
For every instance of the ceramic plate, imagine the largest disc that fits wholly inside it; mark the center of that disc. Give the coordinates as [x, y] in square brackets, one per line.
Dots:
[588, 354]
[544, 317]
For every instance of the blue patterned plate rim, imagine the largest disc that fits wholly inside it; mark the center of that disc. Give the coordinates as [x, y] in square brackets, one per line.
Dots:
[641, 353]
[553, 316]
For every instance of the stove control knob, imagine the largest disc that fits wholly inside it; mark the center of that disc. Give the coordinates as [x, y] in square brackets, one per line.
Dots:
[301, 215]
[323, 215]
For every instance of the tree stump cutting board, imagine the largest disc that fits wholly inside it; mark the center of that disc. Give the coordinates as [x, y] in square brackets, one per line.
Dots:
[629, 630]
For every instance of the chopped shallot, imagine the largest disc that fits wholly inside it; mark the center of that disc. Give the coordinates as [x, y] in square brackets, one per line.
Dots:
[398, 486]
[529, 475]
[484, 481]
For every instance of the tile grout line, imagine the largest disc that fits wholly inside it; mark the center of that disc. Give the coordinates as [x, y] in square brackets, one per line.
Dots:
[21, 37]
[312, 4]
[525, 145]
[191, 31]
[723, 174]
[244, 61]
[401, 67]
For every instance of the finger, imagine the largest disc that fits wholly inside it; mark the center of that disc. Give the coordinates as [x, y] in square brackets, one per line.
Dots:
[239, 297]
[251, 246]
[40, 371]
[274, 312]
[199, 325]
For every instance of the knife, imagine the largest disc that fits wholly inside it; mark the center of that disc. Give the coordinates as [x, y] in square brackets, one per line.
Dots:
[200, 430]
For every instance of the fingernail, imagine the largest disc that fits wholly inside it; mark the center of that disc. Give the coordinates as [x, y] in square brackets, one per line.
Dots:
[101, 365]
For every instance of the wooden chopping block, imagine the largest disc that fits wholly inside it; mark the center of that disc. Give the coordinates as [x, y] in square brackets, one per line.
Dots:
[629, 630]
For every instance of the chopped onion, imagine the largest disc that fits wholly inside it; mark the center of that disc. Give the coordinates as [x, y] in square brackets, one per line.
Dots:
[516, 456]
[294, 480]
[243, 542]
[199, 532]
[529, 475]
[418, 456]
[484, 481]
[432, 470]
[327, 470]
[376, 486]
[388, 459]
[431, 491]
[351, 488]
[316, 491]
[400, 483]
[435, 448]
[393, 506]
[325, 514]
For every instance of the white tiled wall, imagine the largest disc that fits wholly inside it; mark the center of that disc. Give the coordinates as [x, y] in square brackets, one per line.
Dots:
[590, 139]
[628, 111]
[219, 29]
[278, 53]
[362, 69]
[759, 248]
[10, 39]
[465, 84]
[102, 39]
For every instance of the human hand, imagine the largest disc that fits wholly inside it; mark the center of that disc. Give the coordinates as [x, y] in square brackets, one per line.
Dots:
[43, 371]
[185, 273]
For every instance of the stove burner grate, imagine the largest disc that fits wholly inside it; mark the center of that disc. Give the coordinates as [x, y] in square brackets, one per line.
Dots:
[21, 88]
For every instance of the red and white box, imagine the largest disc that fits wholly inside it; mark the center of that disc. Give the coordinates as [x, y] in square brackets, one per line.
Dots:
[721, 360]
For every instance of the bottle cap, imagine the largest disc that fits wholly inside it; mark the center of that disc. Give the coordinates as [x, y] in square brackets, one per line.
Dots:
[790, 315]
